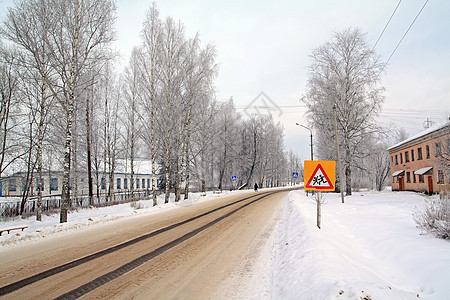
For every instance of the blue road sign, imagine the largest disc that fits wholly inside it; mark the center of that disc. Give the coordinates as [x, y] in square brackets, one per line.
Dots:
[233, 178]
[295, 174]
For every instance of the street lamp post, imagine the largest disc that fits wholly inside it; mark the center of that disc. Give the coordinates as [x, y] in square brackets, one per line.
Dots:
[310, 131]
[311, 135]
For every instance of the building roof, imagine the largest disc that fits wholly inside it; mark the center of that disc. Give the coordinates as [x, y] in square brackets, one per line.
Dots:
[421, 134]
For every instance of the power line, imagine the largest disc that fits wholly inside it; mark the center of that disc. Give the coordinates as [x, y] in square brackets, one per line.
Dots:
[406, 32]
[386, 24]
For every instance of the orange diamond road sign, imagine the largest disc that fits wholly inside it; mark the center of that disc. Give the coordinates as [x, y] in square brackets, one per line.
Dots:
[320, 175]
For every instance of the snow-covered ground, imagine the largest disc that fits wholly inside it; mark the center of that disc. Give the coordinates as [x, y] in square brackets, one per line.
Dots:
[86, 217]
[367, 248]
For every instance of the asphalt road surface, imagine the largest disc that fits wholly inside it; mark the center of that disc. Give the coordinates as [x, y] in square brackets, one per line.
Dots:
[185, 253]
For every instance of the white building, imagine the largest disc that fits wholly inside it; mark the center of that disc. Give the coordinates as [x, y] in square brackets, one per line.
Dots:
[14, 185]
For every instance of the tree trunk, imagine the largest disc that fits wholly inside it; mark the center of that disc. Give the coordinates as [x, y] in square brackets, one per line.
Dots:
[65, 196]
[187, 183]
[167, 190]
[88, 151]
[187, 145]
[154, 181]
[75, 157]
[254, 157]
[167, 171]
[26, 184]
[39, 154]
[178, 171]
[222, 170]
[153, 145]
[348, 172]
[106, 139]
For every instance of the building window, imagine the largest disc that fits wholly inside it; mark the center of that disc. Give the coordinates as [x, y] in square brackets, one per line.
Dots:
[414, 177]
[421, 178]
[54, 184]
[419, 153]
[143, 183]
[393, 179]
[396, 159]
[428, 151]
[119, 183]
[37, 184]
[12, 185]
[137, 183]
[408, 177]
[406, 156]
[24, 184]
[412, 154]
[103, 184]
[440, 176]
[125, 183]
[438, 149]
[401, 158]
[148, 183]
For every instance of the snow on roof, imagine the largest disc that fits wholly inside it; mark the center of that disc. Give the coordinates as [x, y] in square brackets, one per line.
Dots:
[421, 134]
[141, 166]
[423, 170]
[398, 173]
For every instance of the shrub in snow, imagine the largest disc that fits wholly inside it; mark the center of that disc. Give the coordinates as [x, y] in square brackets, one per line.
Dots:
[138, 205]
[435, 219]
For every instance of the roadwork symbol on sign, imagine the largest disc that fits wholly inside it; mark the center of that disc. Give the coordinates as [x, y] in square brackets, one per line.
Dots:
[320, 174]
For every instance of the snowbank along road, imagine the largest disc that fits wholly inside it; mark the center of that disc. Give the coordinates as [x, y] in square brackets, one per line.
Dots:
[180, 253]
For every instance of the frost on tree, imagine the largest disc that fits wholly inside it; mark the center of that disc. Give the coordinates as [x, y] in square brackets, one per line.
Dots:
[345, 72]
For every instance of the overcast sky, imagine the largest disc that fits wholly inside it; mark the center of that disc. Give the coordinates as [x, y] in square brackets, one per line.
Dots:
[263, 46]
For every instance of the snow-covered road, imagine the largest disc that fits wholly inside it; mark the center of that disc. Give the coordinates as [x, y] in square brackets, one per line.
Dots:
[367, 248]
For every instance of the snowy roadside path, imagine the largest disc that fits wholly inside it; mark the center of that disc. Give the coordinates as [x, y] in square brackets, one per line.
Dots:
[368, 247]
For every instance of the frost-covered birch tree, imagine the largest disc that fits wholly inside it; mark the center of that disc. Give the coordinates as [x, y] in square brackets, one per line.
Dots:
[77, 42]
[9, 109]
[27, 25]
[228, 122]
[132, 96]
[171, 55]
[149, 69]
[344, 73]
[200, 70]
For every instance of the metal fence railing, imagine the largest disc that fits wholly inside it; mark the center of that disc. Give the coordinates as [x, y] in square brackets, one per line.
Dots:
[11, 207]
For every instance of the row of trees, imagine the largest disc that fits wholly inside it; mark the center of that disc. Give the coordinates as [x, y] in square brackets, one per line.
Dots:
[65, 106]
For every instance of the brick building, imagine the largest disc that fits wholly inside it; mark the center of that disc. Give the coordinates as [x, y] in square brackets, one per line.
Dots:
[422, 163]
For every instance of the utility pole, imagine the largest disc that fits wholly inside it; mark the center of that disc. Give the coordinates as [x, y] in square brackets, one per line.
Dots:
[339, 157]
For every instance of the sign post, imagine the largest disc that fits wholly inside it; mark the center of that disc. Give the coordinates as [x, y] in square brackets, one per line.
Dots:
[321, 177]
